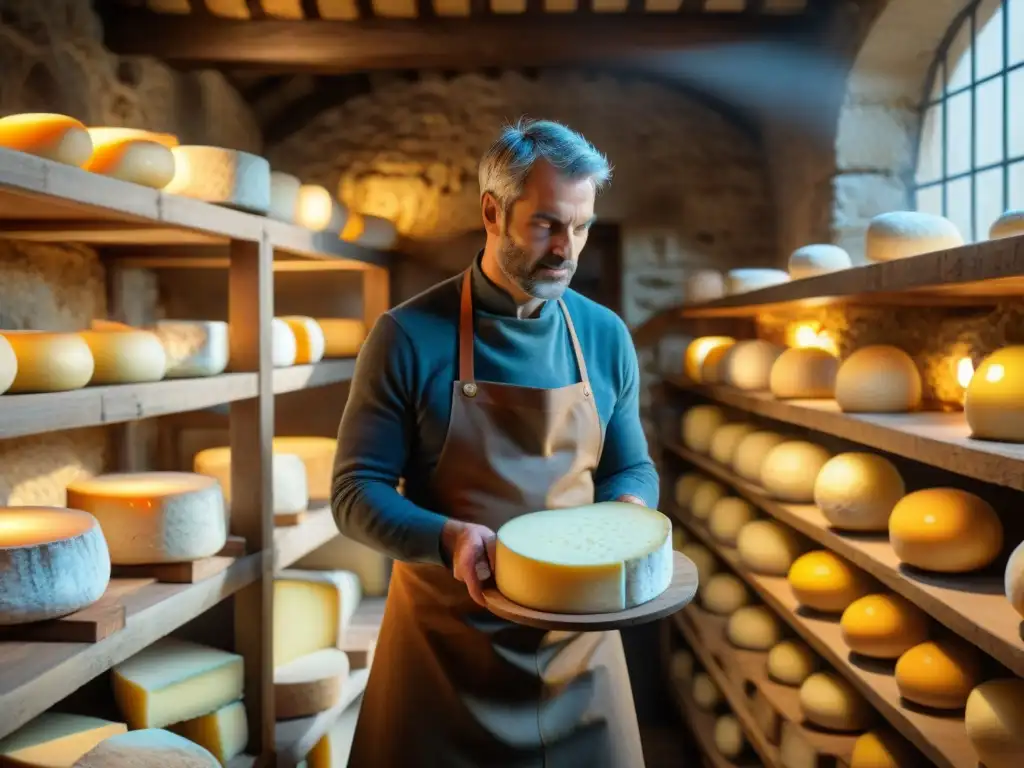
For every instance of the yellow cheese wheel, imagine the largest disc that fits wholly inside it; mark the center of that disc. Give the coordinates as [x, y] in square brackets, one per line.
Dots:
[883, 626]
[343, 336]
[54, 137]
[754, 627]
[686, 485]
[729, 739]
[131, 155]
[49, 362]
[125, 357]
[699, 425]
[883, 748]
[790, 469]
[768, 547]
[945, 530]
[726, 439]
[751, 453]
[713, 369]
[728, 516]
[708, 493]
[992, 402]
[791, 662]
[702, 559]
[1013, 579]
[309, 339]
[803, 373]
[8, 365]
[723, 594]
[829, 701]
[994, 718]
[878, 379]
[939, 673]
[825, 582]
[697, 350]
[706, 694]
[749, 364]
[857, 491]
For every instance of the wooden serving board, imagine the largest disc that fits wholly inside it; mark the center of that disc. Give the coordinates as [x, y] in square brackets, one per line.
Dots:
[176, 573]
[680, 592]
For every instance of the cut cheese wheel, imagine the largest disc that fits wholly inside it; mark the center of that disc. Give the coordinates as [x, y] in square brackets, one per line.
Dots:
[343, 554]
[224, 176]
[154, 517]
[369, 231]
[284, 346]
[753, 279]
[902, 234]
[224, 732]
[592, 559]
[708, 493]
[803, 373]
[939, 673]
[754, 627]
[883, 748]
[174, 680]
[791, 662]
[343, 336]
[125, 357]
[681, 667]
[829, 701]
[878, 379]
[706, 694]
[699, 425]
[53, 562]
[310, 684]
[284, 196]
[751, 453]
[194, 348]
[729, 739]
[994, 717]
[748, 364]
[697, 351]
[857, 491]
[790, 470]
[55, 740]
[686, 485]
[49, 362]
[290, 490]
[992, 402]
[713, 369]
[728, 516]
[312, 611]
[55, 137]
[8, 365]
[723, 594]
[130, 157]
[817, 259]
[148, 748]
[825, 582]
[768, 547]
[1010, 224]
[726, 439]
[317, 453]
[703, 285]
[309, 339]
[1013, 579]
[945, 530]
[316, 209]
[702, 559]
[883, 626]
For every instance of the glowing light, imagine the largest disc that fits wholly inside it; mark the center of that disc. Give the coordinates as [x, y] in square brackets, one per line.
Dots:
[995, 373]
[964, 371]
[810, 335]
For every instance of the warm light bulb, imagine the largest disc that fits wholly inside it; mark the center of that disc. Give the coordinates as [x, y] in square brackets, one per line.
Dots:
[809, 335]
[995, 373]
[315, 207]
[964, 372]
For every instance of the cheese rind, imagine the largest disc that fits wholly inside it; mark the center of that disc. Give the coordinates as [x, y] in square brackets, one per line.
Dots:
[125, 357]
[1010, 224]
[903, 234]
[706, 694]
[825, 582]
[343, 336]
[878, 379]
[132, 159]
[883, 626]
[289, 485]
[857, 491]
[697, 351]
[790, 469]
[768, 547]
[194, 348]
[686, 486]
[726, 439]
[829, 701]
[147, 748]
[223, 176]
[51, 136]
[708, 493]
[817, 259]
[598, 558]
[312, 611]
[939, 674]
[729, 739]
[310, 684]
[992, 401]
[883, 749]
[309, 339]
[317, 453]
[224, 732]
[49, 362]
[284, 346]
[994, 718]
[803, 373]
[55, 740]
[723, 594]
[284, 196]
[728, 516]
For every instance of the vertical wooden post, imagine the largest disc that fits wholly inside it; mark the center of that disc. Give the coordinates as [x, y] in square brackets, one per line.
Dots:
[250, 311]
[376, 294]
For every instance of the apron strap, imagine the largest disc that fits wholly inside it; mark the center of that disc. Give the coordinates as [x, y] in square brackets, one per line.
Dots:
[575, 344]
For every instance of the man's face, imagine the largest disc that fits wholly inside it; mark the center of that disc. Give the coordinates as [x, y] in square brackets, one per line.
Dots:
[544, 232]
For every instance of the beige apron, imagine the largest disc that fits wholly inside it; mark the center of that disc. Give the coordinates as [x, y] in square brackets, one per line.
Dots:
[452, 685]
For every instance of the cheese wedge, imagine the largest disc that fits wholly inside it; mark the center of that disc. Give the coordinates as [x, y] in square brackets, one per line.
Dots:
[54, 137]
[55, 740]
[224, 732]
[49, 362]
[149, 748]
[343, 336]
[312, 610]
[310, 684]
[125, 357]
[309, 339]
[317, 453]
[288, 478]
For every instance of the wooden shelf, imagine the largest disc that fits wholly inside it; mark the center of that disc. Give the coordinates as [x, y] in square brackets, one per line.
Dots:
[295, 738]
[299, 377]
[35, 676]
[294, 542]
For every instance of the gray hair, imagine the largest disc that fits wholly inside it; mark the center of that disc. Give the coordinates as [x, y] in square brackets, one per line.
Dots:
[506, 164]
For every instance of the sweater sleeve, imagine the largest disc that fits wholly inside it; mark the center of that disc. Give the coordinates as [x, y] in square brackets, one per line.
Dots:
[375, 438]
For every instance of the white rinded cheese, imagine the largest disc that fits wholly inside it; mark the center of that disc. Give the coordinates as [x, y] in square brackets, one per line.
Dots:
[312, 611]
[803, 373]
[148, 748]
[194, 347]
[318, 455]
[857, 491]
[283, 344]
[744, 280]
[289, 486]
[703, 285]
[369, 231]
[155, 517]
[224, 732]
[748, 364]
[53, 562]
[284, 196]
[791, 662]
[132, 155]
[224, 176]
[49, 362]
[902, 234]
[729, 738]
[995, 722]
[829, 701]
[790, 470]
[55, 137]
[174, 680]
[317, 209]
[8, 365]
[1010, 224]
[310, 684]
[125, 357]
[706, 694]
[309, 339]
[817, 259]
[699, 425]
[343, 336]
[344, 554]
[878, 379]
[55, 740]
[593, 559]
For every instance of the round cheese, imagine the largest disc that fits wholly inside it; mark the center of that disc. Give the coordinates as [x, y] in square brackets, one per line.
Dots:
[939, 673]
[824, 582]
[310, 684]
[883, 626]
[708, 493]
[994, 718]
[53, 562]
[803, 373]
[284, 196]
[702, 559]
[49, 362]
[753, 279]
[131, 157]
[1013, 579]
[699, 425]
[791, 662]
[697, 351]
[1010, 224]
[8, 365]
[726, 439]
[317, 209]
[147, 747]
[54, 137]
[681, 666]
[125, 357]
[723, 594]
[289, 486]
[790, 469]
[597, 558]
[369, 231]
[945, 530]
[749, 364]
[309, 339]
[753, 627]
[992, 401]
[751, 453]
[857, 491]
[715, 365]
[154, 517]
[706, 694]
[703, 285]
[878, 379]
[829, 701]
[686, 486]
[883, 748]
[283, 344]
[728, 516]
[194, 348]
[817, 259]
[902, 234]
[729, 739]
[317, 453]
[343, 336]
[224, 176]
[768, 547]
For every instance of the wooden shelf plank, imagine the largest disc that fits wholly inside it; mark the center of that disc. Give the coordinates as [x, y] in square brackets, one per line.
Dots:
[299, 377]
[295, 738]
[295, 542]
[35, 676]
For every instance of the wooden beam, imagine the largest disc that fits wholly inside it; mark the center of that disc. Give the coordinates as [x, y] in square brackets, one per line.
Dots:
[382, 44]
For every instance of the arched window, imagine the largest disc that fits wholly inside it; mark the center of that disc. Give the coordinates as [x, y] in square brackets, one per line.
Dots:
[970, 164]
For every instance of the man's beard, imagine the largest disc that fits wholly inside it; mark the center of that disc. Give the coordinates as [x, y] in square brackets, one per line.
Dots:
[515, 263]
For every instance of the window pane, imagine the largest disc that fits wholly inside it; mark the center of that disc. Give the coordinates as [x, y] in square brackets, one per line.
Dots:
[988, 58]
[958, 58]
[958, 133]
[958, 205]
[1015, 12]
[1016, 112]
[989, 196]
[929, 159]
[929, 199]
[988, 123]
[1016, 186]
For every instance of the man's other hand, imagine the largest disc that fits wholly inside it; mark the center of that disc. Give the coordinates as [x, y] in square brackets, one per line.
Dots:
[470, 549]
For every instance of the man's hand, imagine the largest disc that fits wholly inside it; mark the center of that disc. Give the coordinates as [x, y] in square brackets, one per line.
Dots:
[627, 499]
[470, 549]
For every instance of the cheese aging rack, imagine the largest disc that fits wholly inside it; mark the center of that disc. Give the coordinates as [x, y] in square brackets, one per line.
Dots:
[138, 228]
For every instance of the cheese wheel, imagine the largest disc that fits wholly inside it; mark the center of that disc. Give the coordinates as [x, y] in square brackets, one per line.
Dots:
[790, 470]
[1013, 579]
[702, 559]
[698, 349]
[54, 137]
[703, 285]
[768, 547]
[829, 701]
[317, 209]
[284, 346]
[49, 362]
[878, 379]
[991, 403]
[309, 339]
[726, 439]
[154, 517]
[803, 373]
[284, 196]
[723, 594]
[825, 582]
[753, 279]
[994, 718]
[289, 488]
[817, 259]
[883, 626]
[148, 748]
[224, 732]
[713, 369]
[681, 667]
[751, 453]
[312, 611]
[729, 739]
[728, 516]
[194, 348]
[593, 559]
[748, 365]
[706, 694]
[791, 662]
[708, 493]
[857, 491]
[945, 530]
[317, 453]
[686, 486]
[130, 157]
[223, 176]
[902, 234]
[699, 425]
[753, 627]
[939, 673]
[343, 336]
[310, 684]
[1010, 224]
[883, 748]
[8, 365]
[125, 357]
[55, 740]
